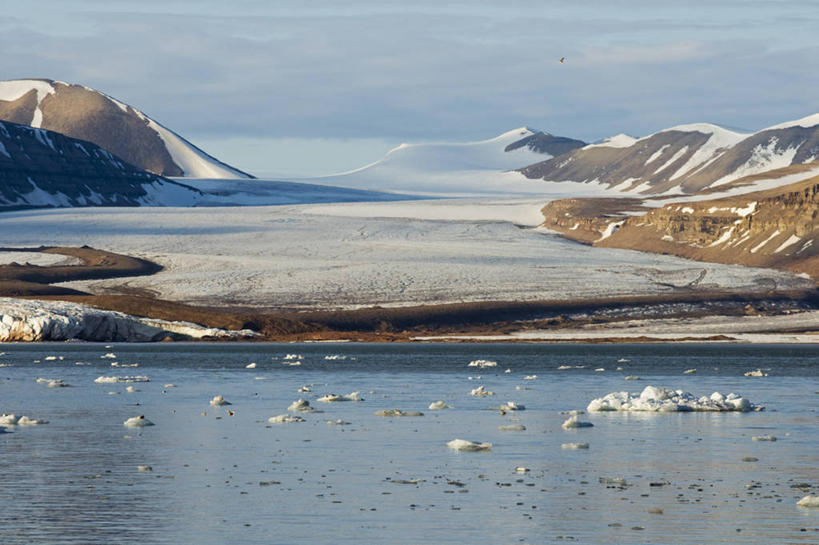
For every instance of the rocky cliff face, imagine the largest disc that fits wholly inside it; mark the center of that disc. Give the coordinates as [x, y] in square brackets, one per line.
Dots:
[87, 114]
[41, 168]
[34, 321]
[773, 228]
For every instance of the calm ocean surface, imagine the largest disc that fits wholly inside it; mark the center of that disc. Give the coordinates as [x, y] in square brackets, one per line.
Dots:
[677, 478]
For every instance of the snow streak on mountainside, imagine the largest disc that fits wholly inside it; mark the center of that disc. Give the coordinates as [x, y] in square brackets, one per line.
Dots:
[40, 168]
[483, 167]
[81, 112]
[684, 159]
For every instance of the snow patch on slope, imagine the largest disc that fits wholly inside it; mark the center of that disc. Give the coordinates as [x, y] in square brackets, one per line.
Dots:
[617, 141]
[806, 122]
[12, 90]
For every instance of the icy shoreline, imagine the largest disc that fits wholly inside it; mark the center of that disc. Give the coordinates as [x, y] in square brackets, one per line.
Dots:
[34, 321]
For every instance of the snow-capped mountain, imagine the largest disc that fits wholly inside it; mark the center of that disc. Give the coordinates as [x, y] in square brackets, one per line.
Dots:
[684, 159]
[40, 168]
[87, 114]
[486, 166]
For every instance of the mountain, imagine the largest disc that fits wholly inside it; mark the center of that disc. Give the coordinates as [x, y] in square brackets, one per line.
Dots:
[86, 114]
[40, 168]
[486, 166]
[683, 159]
[767, 225]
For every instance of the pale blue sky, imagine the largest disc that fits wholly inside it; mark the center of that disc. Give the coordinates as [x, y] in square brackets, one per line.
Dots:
[312, 87]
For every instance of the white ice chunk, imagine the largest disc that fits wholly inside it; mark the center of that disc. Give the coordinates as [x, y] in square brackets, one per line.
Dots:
[468, 446]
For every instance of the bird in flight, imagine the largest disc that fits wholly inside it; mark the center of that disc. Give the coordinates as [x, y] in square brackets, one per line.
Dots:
[562, 59]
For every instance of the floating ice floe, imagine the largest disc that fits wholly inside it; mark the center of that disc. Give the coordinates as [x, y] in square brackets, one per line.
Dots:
[657, 399]
[623, 360]
[809, 501]
[11, 420]
[285, 419]
[574, 446]
[764, 438]
[251, 365]
[689, 371]
[438, 405]
[291, 357]
[295, 363]
[632, 377]
[510, 406]
[468, 446]
[109, 380]
[521, 469]
[573, 412]
[512, 427]
[131, 389]
[599, 369]
[482, 363]
[330, 398]
[117, 364]
[335, 357]
[53, 382]
[565, 367]
[137, 422]
[756, 373]
[109, 355]
[338, 422]
[218, 401]
[144, 468]
[530, 377]
[480, 391]
[302, 406]
[508, 371]
[50, 358]
[574, 422]
[397, 412]
[304, 390]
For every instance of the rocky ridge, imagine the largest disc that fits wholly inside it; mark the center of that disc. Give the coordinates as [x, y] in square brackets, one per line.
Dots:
[41, 168]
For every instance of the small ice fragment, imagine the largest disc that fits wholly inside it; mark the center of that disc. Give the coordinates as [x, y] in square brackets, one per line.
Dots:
[285, 419]
[304, 390]
[763, 438]
[599, 369]
[530, 377]
[26, 421]
[508, 371]
[564, 367]
[573, 412]
[574, 446]
[573, 422]
[170, 385]
[654, 399]
[302, 406]
[689, 371]
[293, 357]
[218, 401]
[130, 389]
[138, 422]
[480, 391]
[468, 446]
[438, 405]
[329, 398]
[397, 412]
[619, 369]
[109, 355]
[809, 501]
[512, 427]
[335, 357]
[482, 363]
[623, 360]
[756, 373]
[111, 380]
[521, 469]
[11, 420]
[144, 468]
[512, 406]
[251, 365]
[50, 358]
[338, 422]
[619, 481]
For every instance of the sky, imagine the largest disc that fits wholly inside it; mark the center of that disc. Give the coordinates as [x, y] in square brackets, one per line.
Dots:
[285, 87]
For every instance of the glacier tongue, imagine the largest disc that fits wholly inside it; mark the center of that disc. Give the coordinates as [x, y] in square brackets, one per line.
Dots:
[29, 320]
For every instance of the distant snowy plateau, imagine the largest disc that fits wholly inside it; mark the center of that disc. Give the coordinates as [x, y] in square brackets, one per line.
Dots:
[427, 224]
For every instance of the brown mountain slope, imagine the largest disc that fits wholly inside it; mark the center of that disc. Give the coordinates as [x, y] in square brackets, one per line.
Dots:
[775, 228]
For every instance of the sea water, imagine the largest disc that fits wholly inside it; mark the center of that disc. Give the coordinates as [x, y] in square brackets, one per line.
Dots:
[225, 474]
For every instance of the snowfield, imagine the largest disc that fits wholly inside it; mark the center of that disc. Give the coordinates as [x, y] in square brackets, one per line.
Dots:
[307, 257]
